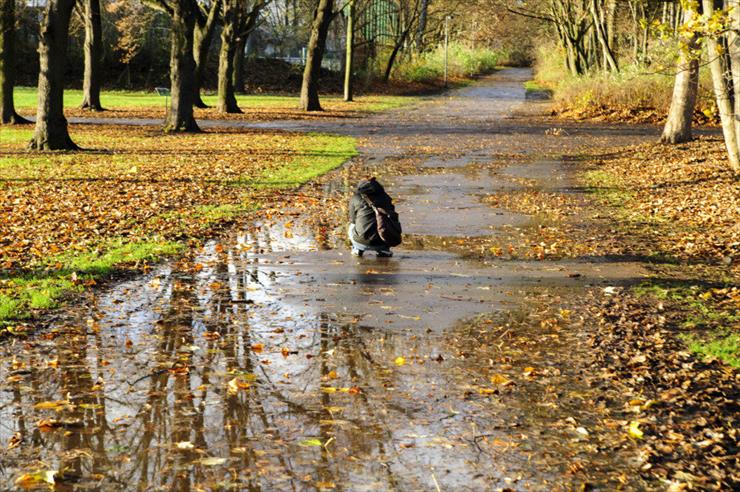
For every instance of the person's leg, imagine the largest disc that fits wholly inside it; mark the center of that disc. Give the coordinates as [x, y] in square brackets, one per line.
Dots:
[357, 248]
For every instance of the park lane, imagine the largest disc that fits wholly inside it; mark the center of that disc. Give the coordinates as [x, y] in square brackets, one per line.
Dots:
[276, 361]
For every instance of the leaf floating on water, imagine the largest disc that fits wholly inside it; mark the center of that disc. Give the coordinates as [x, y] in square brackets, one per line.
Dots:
[258, 347]
[185, 445]
[48, 425]
[400, 361]
[212, 461]
[236, 384]
[311, 442]
[57, 405]
[35, 479]
[501, 380]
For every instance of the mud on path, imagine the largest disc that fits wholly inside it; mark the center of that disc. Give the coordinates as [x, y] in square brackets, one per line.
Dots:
[276, 361]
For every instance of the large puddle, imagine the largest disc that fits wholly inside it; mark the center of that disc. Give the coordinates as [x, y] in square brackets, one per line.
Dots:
[276, 362]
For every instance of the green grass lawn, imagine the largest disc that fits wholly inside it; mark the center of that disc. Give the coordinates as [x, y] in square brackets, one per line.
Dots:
[25, 98]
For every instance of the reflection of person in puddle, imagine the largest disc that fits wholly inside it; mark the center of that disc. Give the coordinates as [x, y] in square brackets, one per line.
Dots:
[370, 198]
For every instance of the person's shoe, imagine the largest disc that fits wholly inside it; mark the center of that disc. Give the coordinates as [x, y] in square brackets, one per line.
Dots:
[386, 253]
[357, 252]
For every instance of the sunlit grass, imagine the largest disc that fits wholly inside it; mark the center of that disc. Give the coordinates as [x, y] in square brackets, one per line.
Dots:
[68, 272]
[328, 153]
[719, 345]
[707, 322]
[26, 101]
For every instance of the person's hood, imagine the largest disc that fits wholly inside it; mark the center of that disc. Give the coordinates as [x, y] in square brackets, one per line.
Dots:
[370, 187]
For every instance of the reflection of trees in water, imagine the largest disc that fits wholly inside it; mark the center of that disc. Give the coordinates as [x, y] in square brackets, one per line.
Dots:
[175, 396]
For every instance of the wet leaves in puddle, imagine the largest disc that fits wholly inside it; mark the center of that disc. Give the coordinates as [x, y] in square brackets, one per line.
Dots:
[212, 461]
[35, 480]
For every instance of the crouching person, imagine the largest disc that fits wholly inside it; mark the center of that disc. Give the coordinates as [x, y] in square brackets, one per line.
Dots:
[373, 221]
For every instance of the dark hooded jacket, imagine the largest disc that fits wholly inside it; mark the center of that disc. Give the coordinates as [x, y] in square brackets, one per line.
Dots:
[363, 216]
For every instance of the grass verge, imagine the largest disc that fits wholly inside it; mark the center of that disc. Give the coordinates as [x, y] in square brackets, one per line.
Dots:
[708, 318]
[675, 206]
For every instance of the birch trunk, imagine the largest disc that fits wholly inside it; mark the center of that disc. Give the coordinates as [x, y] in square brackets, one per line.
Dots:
[721, 93]
[350, 45]
[678, 125]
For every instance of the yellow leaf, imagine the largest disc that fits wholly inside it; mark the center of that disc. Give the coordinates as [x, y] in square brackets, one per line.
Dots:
[52, 405]
[185, 445]
[311, 442]
[235, 385]
[33, 480]
[212, 461]
[500, 379]
[400, 361]
[634, 430]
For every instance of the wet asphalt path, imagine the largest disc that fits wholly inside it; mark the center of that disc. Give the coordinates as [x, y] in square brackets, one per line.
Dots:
[278, 364]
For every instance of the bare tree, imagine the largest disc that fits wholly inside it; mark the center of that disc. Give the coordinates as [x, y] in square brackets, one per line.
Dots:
[240, 19]
[315, 53]
[51, 126]
[422, 27]
[182, 64]
[205, 25]
[8, 114]
[408, 13]
[93, 53]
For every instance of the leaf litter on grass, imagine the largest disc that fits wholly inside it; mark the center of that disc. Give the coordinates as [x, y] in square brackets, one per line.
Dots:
[135, 196]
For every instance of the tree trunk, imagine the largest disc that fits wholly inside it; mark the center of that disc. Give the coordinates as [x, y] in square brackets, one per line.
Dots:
[226, 98]
[202, 38]
[314, 56]
[93, 54]
[182, 69]
[678, 125]
[733, 42]
[422, 28]
[721, 93]
[602, 38]
[8, 116]
[237, 74]
[348, 95]
[396, 49]
[51, 126]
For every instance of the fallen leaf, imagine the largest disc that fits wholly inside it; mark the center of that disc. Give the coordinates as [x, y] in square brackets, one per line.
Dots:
[212, 461]
[634, 430]
[35, 479]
